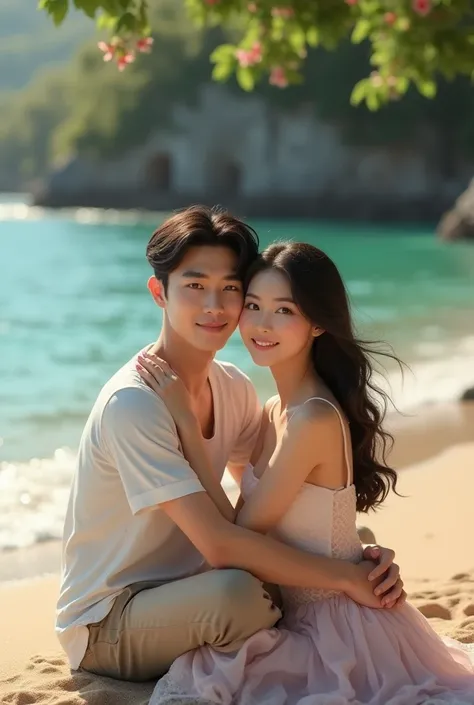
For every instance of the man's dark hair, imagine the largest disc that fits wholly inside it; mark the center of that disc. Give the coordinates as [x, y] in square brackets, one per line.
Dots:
[195, 226]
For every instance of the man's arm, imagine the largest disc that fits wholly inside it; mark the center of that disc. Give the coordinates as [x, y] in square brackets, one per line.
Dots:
[138, 435]
[196, 455]
[225, 545]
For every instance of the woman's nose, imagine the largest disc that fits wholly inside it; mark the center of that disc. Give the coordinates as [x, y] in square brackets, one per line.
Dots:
[265, 322]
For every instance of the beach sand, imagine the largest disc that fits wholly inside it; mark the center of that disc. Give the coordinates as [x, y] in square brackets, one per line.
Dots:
[430, 529]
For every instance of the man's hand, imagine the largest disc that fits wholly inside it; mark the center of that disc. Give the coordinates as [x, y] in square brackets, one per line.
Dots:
[385, 576]
[360, 589]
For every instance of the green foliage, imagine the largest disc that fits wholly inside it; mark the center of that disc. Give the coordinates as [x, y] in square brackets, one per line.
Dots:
[412, 42]
[89, 108]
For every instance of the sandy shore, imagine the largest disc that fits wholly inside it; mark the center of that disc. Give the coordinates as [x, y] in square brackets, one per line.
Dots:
[430, 528]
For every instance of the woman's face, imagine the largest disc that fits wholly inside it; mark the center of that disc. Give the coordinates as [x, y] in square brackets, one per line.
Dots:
[272, 327]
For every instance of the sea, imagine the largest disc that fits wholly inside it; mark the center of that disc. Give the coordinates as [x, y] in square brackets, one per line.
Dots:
[74, 307]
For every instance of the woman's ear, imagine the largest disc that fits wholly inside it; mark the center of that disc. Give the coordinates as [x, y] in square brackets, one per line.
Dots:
[157, 290]
[316, 332]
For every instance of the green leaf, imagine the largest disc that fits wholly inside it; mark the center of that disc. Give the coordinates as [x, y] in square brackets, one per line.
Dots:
[312, 36]
[402, 84]
[427, 88]
[143, 17]
[105, 21]
[298, 40]
[89, 7]
[113, 7]
[127, 22]
[224, 52]
[245, 78]
[57, 9]
[372, 100]
[361, 31]
[222, 71]
[359, 92]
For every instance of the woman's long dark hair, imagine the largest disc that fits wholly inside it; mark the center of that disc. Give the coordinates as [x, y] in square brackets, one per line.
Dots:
[341, 360]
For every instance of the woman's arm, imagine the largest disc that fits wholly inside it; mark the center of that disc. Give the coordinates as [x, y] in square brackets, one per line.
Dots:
[237, 471]
[294, 458]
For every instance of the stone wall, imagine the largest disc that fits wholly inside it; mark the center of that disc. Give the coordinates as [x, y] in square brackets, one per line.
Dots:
[232, 148]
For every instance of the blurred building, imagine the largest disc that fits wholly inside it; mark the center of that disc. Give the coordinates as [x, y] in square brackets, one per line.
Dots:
[237, 151]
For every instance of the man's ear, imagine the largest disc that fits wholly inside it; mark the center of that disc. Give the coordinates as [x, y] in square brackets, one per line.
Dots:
[157, 290]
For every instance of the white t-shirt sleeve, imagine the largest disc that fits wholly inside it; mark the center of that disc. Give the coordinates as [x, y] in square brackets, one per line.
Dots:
[251, 420]
[141, 439]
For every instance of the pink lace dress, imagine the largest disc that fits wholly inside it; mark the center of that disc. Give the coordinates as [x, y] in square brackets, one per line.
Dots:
[327, 650]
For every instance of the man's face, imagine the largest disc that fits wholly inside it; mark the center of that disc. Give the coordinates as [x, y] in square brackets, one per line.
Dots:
[205, 297]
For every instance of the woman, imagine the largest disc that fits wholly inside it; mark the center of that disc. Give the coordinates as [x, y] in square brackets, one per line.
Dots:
[320, 457]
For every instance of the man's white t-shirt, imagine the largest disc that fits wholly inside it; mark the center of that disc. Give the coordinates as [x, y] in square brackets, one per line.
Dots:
[129, 462]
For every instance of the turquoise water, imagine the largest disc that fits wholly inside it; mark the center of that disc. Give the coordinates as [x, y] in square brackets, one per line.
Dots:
[74, 307]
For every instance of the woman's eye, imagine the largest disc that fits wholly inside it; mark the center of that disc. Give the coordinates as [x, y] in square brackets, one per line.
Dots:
[195, 285]
[284, 309]
[251, 306]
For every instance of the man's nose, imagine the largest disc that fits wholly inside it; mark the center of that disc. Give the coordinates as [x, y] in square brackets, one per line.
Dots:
[213, 302]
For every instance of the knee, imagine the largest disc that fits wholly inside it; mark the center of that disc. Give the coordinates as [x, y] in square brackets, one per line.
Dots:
[246, 595]
[238, 586]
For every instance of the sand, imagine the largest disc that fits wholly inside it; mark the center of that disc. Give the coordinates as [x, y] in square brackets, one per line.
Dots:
[430, 528]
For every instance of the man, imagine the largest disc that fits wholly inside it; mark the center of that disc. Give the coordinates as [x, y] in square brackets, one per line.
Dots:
[143, 532]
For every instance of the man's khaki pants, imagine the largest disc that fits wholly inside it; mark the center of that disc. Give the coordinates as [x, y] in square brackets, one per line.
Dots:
[151, 624]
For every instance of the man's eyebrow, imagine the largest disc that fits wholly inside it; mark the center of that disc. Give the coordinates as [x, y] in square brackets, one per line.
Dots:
[284, 298]
[194, 274]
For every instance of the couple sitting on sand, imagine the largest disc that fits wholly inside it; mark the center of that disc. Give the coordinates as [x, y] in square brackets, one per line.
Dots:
[275, 602]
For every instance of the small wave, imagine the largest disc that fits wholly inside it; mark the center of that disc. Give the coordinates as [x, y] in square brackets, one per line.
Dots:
[431, 381]
[34, 494]
[21, 209]
[33, 499]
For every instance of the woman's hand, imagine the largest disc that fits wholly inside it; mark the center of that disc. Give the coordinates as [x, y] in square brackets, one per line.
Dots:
[165, 382]
[386, 576]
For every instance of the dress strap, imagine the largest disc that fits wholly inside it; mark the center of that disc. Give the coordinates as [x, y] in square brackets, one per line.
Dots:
[344, 434]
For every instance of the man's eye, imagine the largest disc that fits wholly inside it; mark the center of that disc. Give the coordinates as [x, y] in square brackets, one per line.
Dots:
[231, 287]
[195, 285]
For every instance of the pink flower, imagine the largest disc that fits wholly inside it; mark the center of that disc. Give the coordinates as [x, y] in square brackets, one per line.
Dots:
[390, 18]
[351, 2]
[278, 77]
[144, 45]
[108, 49]
[285, 12]
[252, 7]
[212, 2]
[124, 60]
[249, 57]
[422, 7]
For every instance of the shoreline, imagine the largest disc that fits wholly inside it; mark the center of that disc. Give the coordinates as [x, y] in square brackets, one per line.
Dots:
[421, 440]
[429, 529]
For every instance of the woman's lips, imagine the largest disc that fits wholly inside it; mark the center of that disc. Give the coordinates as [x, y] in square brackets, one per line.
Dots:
[263, 344]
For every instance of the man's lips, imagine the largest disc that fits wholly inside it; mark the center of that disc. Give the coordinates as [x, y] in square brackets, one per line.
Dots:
[212, 327]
